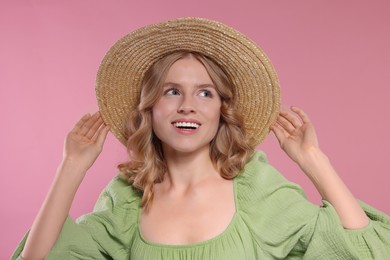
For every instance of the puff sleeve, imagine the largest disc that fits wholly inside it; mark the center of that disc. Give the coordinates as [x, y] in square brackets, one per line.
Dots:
[106, 233]
[284, 225]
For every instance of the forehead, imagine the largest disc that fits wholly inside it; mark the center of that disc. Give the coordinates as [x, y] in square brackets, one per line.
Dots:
[188, 70]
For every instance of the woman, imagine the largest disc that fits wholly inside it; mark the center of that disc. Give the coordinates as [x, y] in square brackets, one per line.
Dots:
[197, 97]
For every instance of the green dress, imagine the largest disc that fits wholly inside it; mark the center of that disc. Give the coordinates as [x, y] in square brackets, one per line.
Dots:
[273, 220]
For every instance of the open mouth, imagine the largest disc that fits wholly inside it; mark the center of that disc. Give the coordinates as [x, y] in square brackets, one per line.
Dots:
[186, 125]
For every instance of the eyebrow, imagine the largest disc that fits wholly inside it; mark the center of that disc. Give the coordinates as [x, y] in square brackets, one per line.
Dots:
[167, 84]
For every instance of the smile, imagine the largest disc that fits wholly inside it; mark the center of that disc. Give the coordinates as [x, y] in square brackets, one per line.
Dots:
[186, 125]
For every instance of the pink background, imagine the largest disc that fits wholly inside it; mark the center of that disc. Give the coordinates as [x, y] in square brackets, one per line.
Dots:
[332, 58]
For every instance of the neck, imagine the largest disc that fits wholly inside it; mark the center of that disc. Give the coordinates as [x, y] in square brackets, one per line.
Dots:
[186, 170]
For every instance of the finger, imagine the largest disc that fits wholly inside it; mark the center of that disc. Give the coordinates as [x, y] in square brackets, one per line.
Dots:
[88, 124]
[97, 132]
[279, 132]
[81, 122]
[287, 125]
[291, 118]
[305, 118]
[101, 137]
[94, 128]
[101, 131]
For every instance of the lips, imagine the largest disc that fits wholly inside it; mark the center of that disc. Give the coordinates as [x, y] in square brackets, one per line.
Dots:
[186, 124]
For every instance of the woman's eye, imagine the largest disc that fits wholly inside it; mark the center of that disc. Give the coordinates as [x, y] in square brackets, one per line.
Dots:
[172, 91]
[205, 93]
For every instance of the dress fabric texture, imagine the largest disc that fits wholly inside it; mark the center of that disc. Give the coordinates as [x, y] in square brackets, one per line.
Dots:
[273, 220]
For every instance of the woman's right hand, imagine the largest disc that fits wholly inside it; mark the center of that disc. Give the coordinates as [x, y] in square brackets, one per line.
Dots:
[82, 146]
[85, 141]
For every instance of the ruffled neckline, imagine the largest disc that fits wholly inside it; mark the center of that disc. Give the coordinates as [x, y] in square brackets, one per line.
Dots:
[229, 228]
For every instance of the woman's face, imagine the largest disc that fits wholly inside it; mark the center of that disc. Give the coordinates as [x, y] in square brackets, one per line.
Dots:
[186, 116]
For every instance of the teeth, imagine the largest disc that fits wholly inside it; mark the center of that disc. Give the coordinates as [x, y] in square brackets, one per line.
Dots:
[186, 125]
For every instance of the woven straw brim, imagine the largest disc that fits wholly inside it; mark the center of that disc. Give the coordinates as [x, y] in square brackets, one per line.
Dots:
[256, 87]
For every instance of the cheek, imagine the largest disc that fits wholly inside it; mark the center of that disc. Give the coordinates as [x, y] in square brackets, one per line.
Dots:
[214, 114]
[216, 111]
[217, 119]
[157, 116]
[156, 125]
[158, 111]
[160, 114]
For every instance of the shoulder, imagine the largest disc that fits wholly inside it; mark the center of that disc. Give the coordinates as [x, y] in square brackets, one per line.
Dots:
[273, 207]
[115, 216]
[118, 193]
[258, 172]
[259, 181]
[119, 202]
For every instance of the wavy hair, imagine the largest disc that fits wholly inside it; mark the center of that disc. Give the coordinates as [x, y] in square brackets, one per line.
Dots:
[229, 150]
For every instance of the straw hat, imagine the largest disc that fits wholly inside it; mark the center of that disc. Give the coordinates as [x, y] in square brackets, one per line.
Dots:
[256, 87]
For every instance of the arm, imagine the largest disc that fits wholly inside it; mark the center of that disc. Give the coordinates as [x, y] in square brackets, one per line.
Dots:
[82, 146]
[298, 139]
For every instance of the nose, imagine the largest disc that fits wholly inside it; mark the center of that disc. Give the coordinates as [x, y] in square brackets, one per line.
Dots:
[187, 105]
[185, 110]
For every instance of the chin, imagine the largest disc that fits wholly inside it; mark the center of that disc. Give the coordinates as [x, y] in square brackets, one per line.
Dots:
[188, 149]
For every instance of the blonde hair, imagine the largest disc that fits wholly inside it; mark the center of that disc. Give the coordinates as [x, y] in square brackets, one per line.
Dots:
[229, 150]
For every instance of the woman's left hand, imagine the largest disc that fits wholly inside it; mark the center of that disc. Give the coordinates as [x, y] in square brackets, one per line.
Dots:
[298, 139]
[296, 134]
